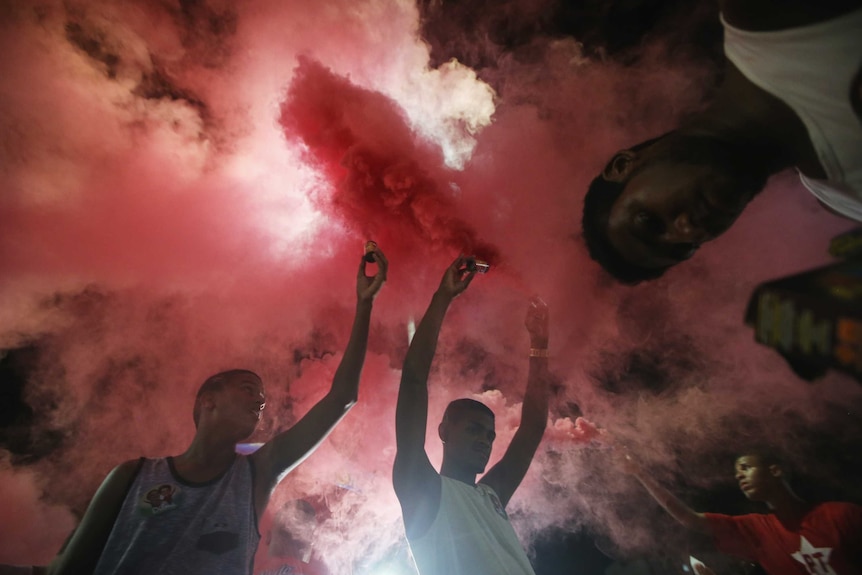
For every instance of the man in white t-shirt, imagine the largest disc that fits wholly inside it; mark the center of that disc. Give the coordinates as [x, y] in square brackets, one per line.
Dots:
[456, 526]
[790, 98]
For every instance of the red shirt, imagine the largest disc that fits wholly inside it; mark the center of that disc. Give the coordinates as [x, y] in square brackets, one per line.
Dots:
[826, 541]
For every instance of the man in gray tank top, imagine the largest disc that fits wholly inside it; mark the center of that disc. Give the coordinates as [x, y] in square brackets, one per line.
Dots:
[456, 526]
[197, 513]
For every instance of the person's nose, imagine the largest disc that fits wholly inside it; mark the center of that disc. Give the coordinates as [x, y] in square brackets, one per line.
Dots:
[685, 230]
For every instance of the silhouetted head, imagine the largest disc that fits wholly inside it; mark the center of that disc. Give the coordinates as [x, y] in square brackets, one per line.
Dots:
[656, 203]
[467, 432]
[234, 397]
[761, 474]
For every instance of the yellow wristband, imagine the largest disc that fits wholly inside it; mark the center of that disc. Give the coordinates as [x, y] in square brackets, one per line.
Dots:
[539, 352]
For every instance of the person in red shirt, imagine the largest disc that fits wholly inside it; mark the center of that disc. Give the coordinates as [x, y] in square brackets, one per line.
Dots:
[795, 537]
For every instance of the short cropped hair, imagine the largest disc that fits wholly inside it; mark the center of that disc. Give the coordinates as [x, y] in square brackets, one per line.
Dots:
[765, 455]
[215, 383]
[457, 408]
[598, 202]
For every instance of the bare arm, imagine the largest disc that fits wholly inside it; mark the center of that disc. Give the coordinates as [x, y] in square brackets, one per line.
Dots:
[507, 474]
[687, 516]
[288, 449]
[82, 550]
[416, 482]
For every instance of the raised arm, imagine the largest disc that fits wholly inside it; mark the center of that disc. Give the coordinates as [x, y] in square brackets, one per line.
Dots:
[287, 449]
[687, 516]
[507, 474]
[82, 549]
[416, 482]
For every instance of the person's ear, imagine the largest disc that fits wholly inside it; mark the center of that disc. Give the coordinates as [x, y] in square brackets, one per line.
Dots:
[441, 431]
[775, 471]
[620, 167]
[208, 400]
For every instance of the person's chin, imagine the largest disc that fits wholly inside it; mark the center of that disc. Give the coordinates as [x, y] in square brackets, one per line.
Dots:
[727, 199]
[752, 495]
[246, 434]
[717, 225]
[720, 219]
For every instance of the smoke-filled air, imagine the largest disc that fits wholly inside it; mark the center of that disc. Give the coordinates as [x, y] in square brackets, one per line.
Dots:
[188, 186]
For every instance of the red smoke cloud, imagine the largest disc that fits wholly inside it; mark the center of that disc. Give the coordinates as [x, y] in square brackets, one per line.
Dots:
[388, 183]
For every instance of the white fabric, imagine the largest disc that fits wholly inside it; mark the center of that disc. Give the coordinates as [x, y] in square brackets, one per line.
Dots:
[471, 535]
[842, 200]
[811, 69]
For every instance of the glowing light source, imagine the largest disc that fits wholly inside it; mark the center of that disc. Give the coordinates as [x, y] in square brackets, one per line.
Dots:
[411, 329]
